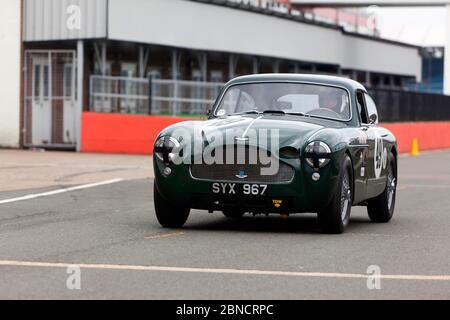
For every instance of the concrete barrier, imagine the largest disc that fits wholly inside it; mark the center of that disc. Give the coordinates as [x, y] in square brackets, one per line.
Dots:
[122, 133]
[432, 135]
[136, 134]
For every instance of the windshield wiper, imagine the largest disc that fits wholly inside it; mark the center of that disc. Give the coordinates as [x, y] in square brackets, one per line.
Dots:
[245, 112]
[297, 114]
[274, 111]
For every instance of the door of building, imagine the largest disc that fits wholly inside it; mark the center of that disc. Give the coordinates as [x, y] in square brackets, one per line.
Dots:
[41, 110]
[50, 103]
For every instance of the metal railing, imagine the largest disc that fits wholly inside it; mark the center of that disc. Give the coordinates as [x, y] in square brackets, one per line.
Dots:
[151, 96]
[193, 98]
[398, 105]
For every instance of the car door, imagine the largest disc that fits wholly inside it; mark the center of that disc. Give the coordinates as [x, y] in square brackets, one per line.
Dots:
[377, 155]
[364, 152]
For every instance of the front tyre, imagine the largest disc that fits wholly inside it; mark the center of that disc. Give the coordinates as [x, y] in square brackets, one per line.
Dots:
[381, 208]
[336, 216]
[169, 215]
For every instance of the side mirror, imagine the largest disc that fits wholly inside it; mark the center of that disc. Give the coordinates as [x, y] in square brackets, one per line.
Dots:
[208, 112]
[373, 118]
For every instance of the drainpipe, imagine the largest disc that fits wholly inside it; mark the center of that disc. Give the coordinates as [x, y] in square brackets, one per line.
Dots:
[79, 107]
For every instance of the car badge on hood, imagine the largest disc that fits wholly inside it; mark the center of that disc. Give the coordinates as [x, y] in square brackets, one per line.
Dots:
[241, 175]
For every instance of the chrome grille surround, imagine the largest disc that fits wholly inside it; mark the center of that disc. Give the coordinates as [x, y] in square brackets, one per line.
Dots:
[230, 172]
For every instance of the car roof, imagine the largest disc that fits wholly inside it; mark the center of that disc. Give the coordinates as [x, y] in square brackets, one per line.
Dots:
[298, 77]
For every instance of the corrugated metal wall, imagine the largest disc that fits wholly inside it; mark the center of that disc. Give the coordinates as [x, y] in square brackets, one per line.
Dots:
[200, 26]
[194, 25]
[57, 19]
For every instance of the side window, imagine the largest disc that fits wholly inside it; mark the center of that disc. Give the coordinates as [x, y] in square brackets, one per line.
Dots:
[361, 108]
[371, 107]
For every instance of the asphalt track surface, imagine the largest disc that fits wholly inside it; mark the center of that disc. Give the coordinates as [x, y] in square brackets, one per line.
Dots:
[111, 233]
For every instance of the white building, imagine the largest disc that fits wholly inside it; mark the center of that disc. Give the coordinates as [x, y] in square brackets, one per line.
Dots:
[10, 53]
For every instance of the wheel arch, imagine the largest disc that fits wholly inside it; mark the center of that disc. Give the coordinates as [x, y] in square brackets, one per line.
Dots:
[395, 154]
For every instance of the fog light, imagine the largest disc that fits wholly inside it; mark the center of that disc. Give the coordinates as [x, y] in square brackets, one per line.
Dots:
[316, 176]
[167, 171]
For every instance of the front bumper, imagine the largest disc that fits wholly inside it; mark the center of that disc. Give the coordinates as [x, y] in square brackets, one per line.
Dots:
[302, 194]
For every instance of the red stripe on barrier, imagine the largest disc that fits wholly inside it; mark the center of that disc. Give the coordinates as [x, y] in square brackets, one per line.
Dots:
[122, 133]
[136, 134]
[430, 135]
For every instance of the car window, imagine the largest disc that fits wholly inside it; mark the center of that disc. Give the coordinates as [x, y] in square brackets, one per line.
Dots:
[236, 101]
[371, 107]
[361, 107]
[297, 98]
[299, 102]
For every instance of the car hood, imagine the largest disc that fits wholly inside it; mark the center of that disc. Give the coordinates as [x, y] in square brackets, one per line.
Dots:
[292, 130]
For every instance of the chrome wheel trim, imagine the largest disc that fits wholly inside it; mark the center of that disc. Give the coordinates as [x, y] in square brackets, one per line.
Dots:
[346, 195]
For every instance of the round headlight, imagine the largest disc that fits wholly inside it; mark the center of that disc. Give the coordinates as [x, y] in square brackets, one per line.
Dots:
[317, 154]
[166, 148]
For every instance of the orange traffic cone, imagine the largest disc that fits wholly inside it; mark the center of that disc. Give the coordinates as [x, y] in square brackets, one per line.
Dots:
[415, 147]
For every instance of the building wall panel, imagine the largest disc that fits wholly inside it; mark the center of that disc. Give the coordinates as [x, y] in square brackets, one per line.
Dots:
[46, 20]
[187, 24]
[10, 49]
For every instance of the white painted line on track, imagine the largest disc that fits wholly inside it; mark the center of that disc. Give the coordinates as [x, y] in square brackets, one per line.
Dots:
[164, 235]
[59, 191]
[12, 263]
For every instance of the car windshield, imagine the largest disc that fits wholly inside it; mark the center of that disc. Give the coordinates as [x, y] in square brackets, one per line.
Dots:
[286, 98]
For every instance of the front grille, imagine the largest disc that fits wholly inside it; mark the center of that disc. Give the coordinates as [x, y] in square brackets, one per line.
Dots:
[230, 172]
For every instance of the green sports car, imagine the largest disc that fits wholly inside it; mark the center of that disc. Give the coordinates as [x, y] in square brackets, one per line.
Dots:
[283, 144]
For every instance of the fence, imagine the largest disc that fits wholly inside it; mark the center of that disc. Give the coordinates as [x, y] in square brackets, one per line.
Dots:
[113, 94]
[151, 96]
[402, 106]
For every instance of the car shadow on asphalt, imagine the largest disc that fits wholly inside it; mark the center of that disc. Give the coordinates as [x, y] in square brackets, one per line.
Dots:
[305, 224]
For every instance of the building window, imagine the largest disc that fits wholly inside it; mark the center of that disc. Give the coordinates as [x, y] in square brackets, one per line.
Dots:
[37, 75]
[46, 82]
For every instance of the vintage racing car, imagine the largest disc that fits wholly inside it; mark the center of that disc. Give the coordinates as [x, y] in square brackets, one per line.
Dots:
[279, 143]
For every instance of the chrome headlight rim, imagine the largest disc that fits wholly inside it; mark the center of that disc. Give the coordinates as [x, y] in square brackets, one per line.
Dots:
[162, 145]
[317, 154]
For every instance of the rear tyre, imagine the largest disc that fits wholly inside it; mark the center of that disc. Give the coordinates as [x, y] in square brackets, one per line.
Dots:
[168, 214]
[381, 209]
[233, 213]
[336, 216]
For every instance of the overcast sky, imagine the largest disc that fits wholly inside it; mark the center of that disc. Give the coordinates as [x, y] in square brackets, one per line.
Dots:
[422, 26]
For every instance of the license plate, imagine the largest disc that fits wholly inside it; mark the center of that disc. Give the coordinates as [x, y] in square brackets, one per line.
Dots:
[225, 188]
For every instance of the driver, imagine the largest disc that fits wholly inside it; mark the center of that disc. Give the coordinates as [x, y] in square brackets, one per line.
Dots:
[331, 100]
